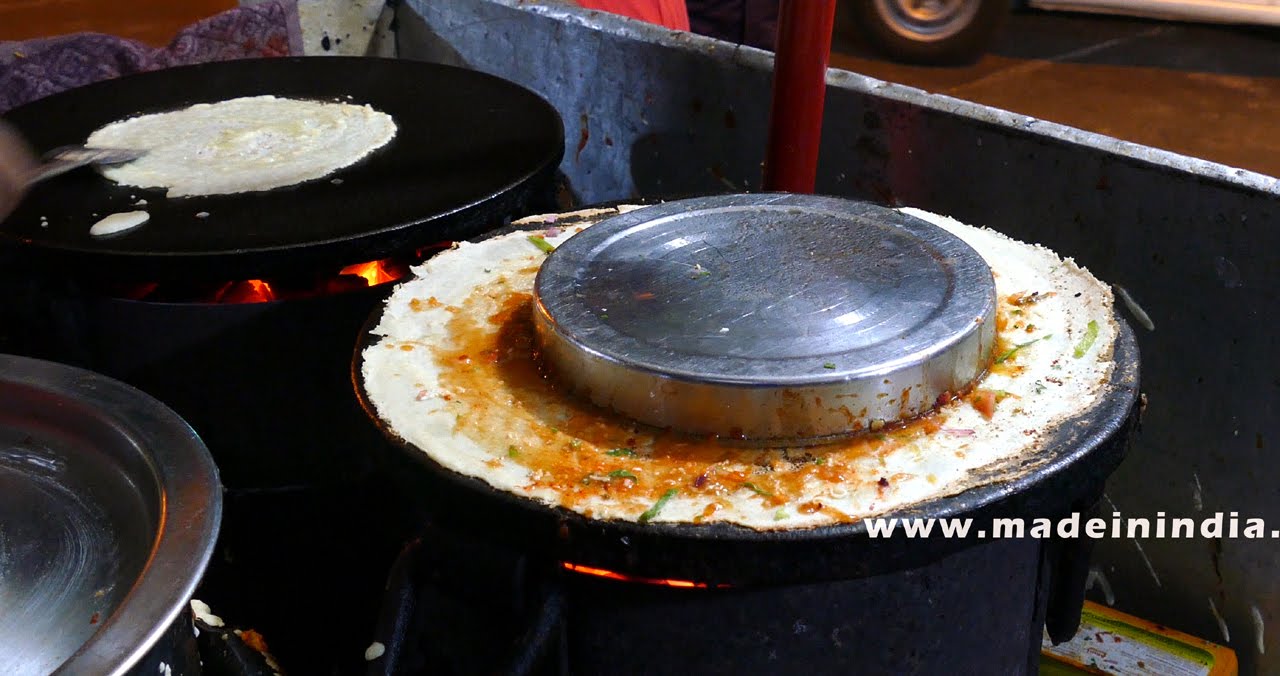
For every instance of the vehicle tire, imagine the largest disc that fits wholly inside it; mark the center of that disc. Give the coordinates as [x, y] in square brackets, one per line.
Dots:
[931, 32]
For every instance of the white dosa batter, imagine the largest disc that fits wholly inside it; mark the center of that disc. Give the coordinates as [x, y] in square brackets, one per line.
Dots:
[243, 145]
[116, 223]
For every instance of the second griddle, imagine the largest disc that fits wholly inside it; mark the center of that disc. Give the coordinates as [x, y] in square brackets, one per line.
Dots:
[469, 148]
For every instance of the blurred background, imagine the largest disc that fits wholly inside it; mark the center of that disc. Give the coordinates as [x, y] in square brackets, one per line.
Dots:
[1202, 89]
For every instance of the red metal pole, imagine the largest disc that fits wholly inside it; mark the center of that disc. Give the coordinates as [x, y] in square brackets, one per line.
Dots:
[799, 90]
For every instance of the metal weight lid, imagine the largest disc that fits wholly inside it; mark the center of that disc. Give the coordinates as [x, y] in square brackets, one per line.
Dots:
[778, 319]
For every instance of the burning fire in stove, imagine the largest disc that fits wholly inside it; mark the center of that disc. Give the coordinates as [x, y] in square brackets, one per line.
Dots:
[375, 272]
[350, 278]
[358, 276]
[610, 575]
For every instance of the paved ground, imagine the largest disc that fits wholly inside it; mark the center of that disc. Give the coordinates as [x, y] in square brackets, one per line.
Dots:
[1206, 91]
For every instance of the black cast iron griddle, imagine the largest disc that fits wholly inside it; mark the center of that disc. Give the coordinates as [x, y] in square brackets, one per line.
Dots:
[469, 148]
[1069, 474]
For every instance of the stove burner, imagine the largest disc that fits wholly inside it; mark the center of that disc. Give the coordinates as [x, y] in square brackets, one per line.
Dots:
[774, 318]
[350, 278]
[458, 605]
[611, 575]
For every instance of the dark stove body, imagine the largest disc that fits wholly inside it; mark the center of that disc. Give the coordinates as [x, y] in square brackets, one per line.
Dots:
[308, 531]
[915, 622]
[265, 384]
[459, 606]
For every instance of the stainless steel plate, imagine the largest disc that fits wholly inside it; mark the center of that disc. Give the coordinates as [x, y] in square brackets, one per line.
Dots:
[778, 318]
[109, 509]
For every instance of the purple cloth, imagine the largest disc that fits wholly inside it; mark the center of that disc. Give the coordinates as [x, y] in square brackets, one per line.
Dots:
[33, 69]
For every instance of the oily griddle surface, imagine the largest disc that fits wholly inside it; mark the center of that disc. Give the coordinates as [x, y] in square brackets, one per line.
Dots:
[467, 147]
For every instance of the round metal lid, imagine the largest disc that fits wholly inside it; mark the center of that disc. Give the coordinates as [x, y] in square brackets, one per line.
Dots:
[109, 511]
[772, 318]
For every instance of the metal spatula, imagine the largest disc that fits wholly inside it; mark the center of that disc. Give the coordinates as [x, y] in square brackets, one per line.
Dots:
[61, 160]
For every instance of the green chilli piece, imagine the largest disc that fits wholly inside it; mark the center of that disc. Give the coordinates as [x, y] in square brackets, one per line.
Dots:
[1090, 335]
[621, 474]
[622, 452]
[1014, 350]
[756, 489]
[657, 506]
[541, 242]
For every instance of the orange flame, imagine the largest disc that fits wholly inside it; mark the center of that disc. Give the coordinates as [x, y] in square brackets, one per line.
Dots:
[259, 291]
[609, 574]
[350, 278]
[249, 291]
[374, 272]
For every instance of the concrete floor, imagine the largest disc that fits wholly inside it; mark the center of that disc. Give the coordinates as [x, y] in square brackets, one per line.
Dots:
[1207, 91]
